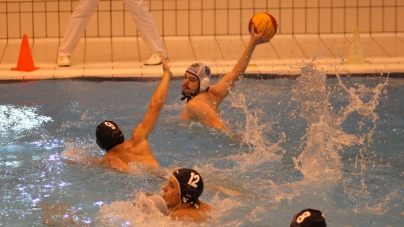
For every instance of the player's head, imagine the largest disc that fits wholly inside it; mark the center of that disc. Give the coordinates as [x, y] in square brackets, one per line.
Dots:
[196, 79]
[108, 134]
[308, 218]
[184, 186]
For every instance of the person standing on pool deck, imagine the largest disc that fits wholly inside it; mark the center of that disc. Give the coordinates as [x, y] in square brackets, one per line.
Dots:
[137, 149]
[203, 100]
[82, 14]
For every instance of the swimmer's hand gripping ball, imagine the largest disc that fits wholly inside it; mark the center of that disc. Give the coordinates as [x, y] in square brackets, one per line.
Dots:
[260, 20]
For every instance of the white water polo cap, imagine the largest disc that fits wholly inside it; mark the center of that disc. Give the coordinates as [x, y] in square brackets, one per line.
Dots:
[202, 72]
[190, 184]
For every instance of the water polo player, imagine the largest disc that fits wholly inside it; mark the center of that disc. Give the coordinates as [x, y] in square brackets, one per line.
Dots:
[137, 149]
[203, 100]
[182, 193]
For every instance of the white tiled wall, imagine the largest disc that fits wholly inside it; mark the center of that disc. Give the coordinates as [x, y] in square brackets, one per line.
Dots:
[48, 18]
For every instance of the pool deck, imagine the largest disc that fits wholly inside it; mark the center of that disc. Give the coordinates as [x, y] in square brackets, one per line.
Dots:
[121, 58]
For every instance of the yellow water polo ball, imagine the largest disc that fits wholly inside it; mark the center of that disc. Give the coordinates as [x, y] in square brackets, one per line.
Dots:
[260, 20]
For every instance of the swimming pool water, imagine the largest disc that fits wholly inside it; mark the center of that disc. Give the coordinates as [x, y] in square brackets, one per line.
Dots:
[307, 142]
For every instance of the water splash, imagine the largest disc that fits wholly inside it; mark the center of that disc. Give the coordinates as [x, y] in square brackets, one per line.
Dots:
[139, 212]
[359, 105]
[254, 134]
[325, 137]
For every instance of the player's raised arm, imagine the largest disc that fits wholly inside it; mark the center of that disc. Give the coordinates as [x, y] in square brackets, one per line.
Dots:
[222, 88]
[156, 104]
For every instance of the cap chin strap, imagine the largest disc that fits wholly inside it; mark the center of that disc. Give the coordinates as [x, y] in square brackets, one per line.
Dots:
[179, 204]
[188, 97]
[179, 192]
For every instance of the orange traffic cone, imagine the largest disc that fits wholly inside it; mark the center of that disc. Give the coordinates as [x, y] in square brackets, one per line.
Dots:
[25, 61]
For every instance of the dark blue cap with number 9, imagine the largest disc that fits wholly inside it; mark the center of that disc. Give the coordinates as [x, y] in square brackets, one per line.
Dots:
[308, 218]
[108, 135]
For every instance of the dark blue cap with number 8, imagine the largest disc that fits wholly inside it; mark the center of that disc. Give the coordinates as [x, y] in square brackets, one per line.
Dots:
[309, 218]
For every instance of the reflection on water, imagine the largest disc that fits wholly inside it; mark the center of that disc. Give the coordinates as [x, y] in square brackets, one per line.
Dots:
[334, 144]
[15, 119]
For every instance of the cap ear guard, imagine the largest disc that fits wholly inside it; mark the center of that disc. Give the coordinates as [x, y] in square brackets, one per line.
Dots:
[204, 84]
[189, 194]
[100, 145]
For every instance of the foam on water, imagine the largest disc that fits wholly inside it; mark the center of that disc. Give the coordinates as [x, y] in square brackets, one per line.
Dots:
[15, 120]
[138, 212]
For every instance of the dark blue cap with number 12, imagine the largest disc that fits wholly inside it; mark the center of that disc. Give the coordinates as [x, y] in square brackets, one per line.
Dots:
[191, 185]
